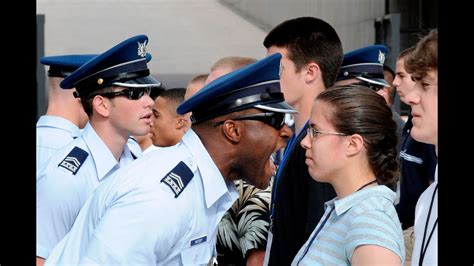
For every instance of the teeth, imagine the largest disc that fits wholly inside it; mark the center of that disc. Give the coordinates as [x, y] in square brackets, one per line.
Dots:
[272, 158]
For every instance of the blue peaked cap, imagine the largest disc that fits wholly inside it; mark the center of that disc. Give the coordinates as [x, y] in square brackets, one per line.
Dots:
[124, 65]
[63, 65]
[365, 64]
[256, 85]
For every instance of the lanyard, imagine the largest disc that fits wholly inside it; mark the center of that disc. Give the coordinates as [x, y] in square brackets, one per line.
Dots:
[314, 237]
[424, 247]
[324, 222]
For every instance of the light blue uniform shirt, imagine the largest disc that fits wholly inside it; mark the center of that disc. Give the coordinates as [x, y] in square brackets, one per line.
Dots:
[134, 147]
[60, 194]
[134, 218]
[52, 133]
[366, 217]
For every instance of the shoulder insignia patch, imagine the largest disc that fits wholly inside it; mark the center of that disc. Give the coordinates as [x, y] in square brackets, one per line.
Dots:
[178, 178]
[74, 160]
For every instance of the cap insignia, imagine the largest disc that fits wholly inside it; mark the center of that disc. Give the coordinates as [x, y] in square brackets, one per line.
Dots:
[142, 49]
[381, 57]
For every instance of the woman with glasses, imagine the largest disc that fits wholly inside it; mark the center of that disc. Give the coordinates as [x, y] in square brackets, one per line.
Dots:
[114, 88]
[351, 144]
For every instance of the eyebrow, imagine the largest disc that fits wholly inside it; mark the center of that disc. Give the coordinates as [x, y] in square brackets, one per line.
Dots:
[313, 125]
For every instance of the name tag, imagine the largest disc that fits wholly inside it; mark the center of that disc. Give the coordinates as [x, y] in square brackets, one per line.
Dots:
[198, 240]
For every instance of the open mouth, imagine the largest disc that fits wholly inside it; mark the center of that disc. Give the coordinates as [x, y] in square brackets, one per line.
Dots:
[271, 162]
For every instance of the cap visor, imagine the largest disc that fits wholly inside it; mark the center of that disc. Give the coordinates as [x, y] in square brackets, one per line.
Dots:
[142, 82]
[280, 107]
[380, 82]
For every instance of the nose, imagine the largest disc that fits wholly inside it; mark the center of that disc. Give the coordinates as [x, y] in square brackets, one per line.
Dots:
[412, 96]
[285, 131]
[396, 82]
[148, 100]
[306, 142]
[285, 134]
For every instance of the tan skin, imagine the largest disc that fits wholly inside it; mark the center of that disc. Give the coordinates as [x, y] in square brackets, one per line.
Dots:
[346, 168]
[114, 129]
[39, 261]
[299, 87]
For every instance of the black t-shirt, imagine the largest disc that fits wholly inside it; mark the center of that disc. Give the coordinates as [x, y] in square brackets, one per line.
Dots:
[299, 205]
[417, 167]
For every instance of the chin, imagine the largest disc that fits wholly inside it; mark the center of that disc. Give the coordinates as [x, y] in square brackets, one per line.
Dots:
[262, 183]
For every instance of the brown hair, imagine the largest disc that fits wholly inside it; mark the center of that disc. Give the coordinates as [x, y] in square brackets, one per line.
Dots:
[357, 110]
[199, 79]
[425, 56]
[406, 52]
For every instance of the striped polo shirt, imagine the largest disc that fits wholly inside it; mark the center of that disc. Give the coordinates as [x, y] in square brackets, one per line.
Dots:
[366, 217]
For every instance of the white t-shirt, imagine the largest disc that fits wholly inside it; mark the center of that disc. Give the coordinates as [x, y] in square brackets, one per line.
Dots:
[422, 213]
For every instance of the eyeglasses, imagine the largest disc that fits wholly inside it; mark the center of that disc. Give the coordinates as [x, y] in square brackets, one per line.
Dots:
[312, 132]
[130, 93]
[276, 120]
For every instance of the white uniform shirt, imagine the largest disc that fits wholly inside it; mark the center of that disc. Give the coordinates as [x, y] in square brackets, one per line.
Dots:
[52, 133]
[135, 218]
[134, 147]
[421, 215]
[60, 194]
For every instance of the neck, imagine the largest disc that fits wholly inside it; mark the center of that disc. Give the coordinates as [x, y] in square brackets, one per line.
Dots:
[69, 113]
[349, 182]
[304, 107]
[113, 139]
[221, 152]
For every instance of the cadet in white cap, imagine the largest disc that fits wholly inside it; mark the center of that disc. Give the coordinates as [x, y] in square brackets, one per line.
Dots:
[65, 115]
[114, 90]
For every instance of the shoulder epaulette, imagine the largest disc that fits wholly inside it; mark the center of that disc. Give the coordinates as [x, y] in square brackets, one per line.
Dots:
[178, 178]
[74, 160]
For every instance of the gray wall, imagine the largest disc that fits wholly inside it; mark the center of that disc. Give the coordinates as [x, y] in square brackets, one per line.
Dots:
[352, 19]
[188, 36]
[41, 98]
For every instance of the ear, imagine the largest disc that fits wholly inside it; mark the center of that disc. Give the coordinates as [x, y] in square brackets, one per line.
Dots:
[383, 91]
[232, 130]
[181, 122]
[355, 144]
[312, 72]
[101, 105]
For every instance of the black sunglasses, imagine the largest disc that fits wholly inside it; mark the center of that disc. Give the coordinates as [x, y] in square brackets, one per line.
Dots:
[130, 93]
[276, 120]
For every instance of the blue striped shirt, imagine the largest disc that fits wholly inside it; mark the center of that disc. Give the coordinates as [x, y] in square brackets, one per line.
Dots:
[366, 217]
